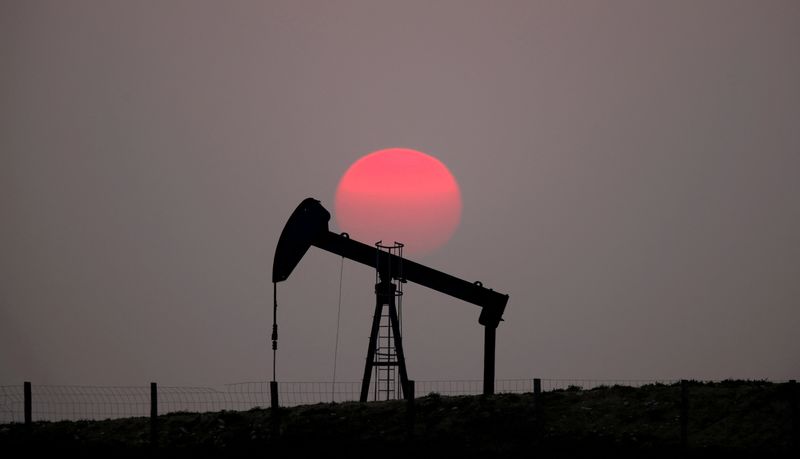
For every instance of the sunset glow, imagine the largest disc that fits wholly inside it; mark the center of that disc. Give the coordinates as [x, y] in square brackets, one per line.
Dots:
[402, 195]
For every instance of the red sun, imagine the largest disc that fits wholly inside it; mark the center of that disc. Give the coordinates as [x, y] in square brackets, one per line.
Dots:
[401, 195]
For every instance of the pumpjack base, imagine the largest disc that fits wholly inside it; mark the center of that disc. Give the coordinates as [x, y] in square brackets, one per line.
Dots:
[385, 297]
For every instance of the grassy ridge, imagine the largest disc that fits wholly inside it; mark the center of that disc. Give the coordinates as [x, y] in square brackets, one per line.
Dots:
[730, 416]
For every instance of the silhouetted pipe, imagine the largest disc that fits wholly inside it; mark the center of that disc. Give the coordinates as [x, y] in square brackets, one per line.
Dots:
[489, 334]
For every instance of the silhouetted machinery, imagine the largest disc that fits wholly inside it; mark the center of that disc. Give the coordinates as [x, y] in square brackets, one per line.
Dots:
[308, 226]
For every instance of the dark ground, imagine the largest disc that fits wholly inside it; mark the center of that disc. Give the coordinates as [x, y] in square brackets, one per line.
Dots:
[726, 417]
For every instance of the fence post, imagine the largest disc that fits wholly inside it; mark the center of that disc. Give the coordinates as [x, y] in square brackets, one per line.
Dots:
[684, 414]
[795, 421]
[28, 404]
[538, 422]
[153, 414]
[273, 394]
[411, 411]
[275, 412]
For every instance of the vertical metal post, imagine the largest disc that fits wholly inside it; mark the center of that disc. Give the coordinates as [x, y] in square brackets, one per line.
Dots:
[153, 414]
[273, 394]
[795, 421]
[411, 411]
[275, 413]
[684, 414]
[537, 408]
[489, 336]
[28, 404]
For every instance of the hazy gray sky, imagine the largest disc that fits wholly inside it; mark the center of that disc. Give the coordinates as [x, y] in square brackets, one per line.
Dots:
[630, 174]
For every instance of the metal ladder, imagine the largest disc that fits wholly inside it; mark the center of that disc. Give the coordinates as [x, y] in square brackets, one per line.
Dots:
[386, 387]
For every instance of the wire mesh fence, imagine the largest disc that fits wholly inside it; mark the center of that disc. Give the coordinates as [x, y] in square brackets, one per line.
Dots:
[55, 403]
[588, 384]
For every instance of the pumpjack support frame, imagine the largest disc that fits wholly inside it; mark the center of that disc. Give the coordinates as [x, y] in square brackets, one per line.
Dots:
[385, 296]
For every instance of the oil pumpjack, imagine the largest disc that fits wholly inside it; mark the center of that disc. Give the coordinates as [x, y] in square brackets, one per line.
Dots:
[308, 225]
